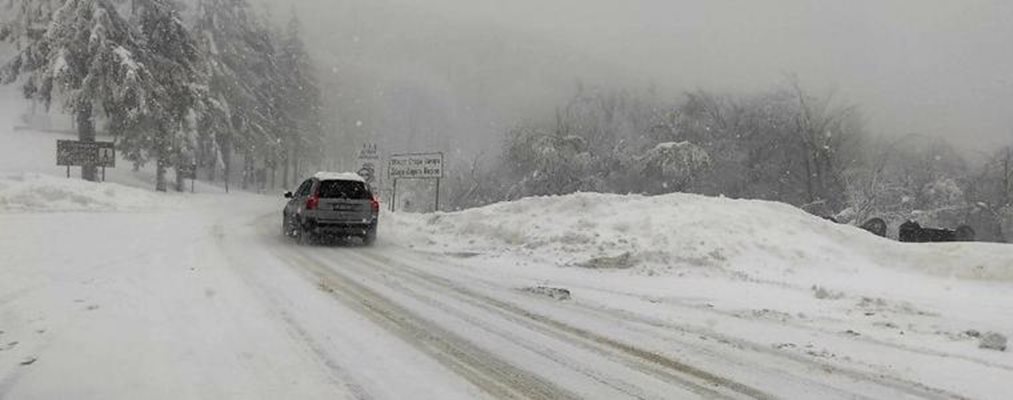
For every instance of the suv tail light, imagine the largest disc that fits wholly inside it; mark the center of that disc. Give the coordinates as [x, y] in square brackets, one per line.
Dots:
[375, 204]
[312, 202]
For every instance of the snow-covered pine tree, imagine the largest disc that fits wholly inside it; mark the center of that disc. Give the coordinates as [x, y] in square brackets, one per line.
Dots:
[224, 31]
[88, 56]
[303, 130]
[175, 65]
[267, 115]
[24, 21]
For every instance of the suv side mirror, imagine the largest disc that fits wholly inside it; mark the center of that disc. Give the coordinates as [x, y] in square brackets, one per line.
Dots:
[288, 195]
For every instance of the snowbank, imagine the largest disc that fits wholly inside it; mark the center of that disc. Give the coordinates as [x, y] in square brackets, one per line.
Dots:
[680, 231]
[29, 192]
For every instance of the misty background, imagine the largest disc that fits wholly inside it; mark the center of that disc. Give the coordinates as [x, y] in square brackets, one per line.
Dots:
[454, 74]
[854, 111]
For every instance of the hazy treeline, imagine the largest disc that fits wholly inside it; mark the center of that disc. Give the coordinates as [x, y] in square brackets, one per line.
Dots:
[783, 144]
[176, 84]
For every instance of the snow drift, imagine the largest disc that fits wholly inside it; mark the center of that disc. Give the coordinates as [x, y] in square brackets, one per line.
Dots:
[43, 193]
[683, 231]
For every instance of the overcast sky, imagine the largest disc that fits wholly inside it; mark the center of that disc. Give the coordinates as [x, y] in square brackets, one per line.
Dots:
[917, 66]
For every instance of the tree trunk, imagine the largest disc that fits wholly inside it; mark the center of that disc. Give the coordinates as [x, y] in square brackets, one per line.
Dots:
[160, 170]
[811, 196]
[1007, 175]
[284, 169]
[819, 175]
[245, 184]
[207, 159]
[296, 154]
[227, 160]
[180, 180]
[86, 133]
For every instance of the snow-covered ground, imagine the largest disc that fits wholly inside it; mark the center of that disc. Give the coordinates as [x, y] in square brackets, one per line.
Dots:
[32, 193]
[110, 291]
[757, 271]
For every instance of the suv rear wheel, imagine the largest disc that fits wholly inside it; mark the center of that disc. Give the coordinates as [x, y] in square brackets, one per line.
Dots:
[370, 236]
[286, 227]
[304, 236]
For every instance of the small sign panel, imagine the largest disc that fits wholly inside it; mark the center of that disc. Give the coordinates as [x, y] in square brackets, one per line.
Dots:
[368, 157]
[369, 151]
[416, 166]
[188, 171]
[72, 153]
[368, 172]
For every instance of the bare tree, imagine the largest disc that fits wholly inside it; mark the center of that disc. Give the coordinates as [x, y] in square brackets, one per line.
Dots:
[824, 133]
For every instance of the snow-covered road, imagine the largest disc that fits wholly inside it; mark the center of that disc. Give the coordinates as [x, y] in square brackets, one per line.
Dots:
[202, 298]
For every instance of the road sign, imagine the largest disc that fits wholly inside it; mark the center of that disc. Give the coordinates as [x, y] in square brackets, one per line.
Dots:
[369, 151]
[107, 155]
[71, 153]
[368, 156]
[368, 172]
[416, 166]
[188, 171]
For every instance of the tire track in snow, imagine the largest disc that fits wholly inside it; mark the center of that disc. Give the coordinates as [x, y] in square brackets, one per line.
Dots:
[630, 389]
[322, 271]
[907, 387]
[902, 385]
[340, 375]
[728, 314]
[337, 373]
[483, 369]
[668, 369]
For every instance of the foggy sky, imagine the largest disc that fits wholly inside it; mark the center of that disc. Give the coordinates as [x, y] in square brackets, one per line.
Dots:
[919, 66]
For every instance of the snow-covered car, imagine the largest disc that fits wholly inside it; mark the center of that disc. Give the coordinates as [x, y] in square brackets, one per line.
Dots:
[331, 204]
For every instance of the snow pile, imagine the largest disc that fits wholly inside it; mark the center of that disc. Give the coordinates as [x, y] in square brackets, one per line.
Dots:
[43, 193]
[680, 231]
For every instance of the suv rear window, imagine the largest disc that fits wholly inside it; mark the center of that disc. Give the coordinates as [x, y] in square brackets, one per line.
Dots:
[344, 190]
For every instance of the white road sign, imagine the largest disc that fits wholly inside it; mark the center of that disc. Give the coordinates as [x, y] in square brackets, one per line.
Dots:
[416, 166]
[369, 152]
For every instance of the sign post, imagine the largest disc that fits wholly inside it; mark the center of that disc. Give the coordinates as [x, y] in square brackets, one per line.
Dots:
[393, 196]
[106, 157]
[71, 153]
[189, 172]
[416, 166]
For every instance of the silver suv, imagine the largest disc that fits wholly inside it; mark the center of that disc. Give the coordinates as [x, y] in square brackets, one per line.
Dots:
[335, 204]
